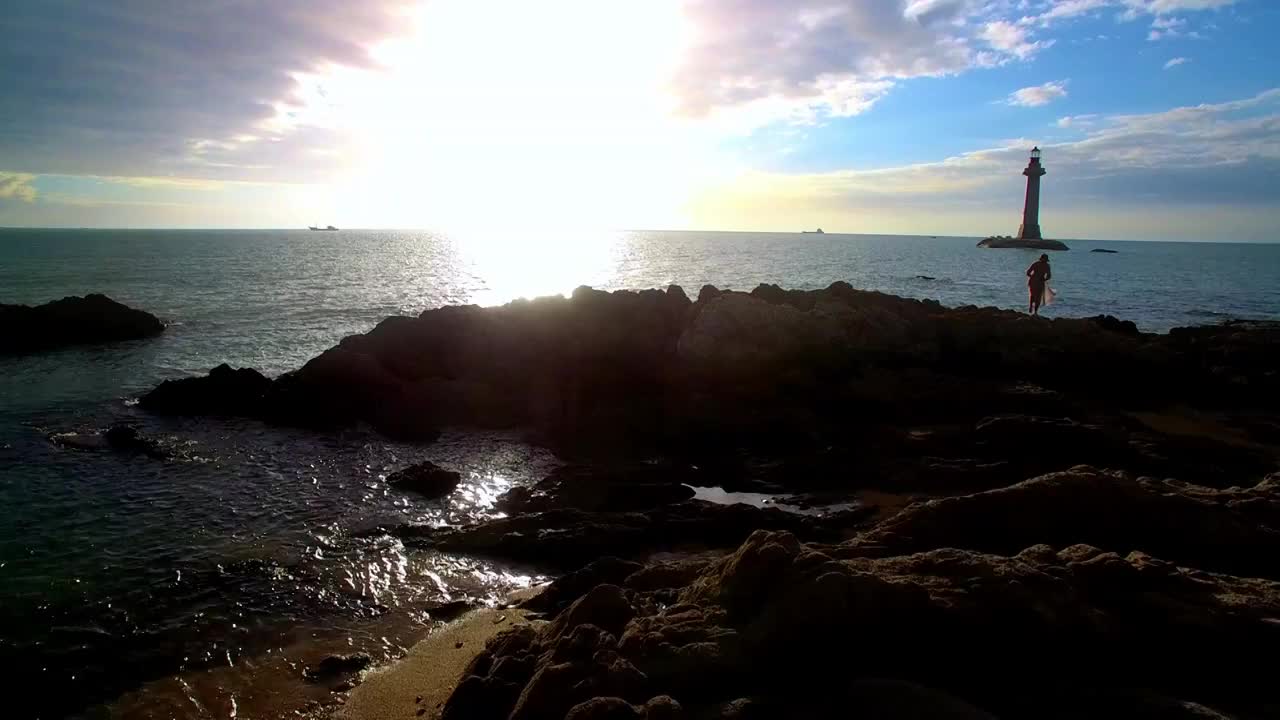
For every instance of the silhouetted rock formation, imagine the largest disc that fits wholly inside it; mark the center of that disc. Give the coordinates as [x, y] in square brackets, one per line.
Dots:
[633, 371]
[1104, 250]
[72, 321]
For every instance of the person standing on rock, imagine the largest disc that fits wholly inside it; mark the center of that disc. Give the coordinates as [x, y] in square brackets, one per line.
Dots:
[1038, 276]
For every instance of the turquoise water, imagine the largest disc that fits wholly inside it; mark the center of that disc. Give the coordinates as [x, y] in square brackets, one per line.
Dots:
[119, 572]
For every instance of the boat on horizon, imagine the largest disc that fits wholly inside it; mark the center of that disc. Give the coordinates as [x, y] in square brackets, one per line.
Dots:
[812, 232]
[322, 229]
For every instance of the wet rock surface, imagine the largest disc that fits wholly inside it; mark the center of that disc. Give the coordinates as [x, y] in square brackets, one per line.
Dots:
[72, 321]
[337, 668]
[770, 630]
[425, 478]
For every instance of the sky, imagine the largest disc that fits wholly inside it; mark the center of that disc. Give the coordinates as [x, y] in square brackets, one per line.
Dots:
[1158, 119]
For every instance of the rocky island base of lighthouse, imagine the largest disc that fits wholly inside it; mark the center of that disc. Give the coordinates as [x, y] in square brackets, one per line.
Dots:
[1004, 241]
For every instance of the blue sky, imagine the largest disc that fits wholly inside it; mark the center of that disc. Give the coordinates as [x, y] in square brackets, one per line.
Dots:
[1158, 118]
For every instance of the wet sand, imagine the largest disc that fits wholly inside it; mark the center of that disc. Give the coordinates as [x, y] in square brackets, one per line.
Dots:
[417, 685]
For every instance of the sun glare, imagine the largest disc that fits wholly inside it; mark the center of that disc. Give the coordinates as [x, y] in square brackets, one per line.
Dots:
[498, 114]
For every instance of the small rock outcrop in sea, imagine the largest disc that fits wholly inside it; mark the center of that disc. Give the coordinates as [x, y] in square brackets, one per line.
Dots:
[1079, 594]
[337, 667]
[72, 321]
[1004, 241]
[425, 478]
[1104, 250]
[224, 391]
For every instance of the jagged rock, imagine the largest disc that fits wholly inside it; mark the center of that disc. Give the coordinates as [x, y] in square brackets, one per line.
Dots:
[425, 478]
[569, 539]
[754, 634]
[1116, 325]
[568, 588]
[72, 321]
[1235, 530]
[611, 489]
[604, 708]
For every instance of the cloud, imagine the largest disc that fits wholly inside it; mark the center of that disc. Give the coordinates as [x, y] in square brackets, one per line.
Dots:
[1013, 38]
[1077, 121]
[790, 53]
[121, 88]
[17, 186]
[1164, 7]
[1038, 95]
[1175, 62]
[1063, 9]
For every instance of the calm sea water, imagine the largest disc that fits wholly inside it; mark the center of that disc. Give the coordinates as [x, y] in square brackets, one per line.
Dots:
[199, 586]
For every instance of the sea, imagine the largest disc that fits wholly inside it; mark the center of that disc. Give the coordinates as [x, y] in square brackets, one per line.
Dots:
[201, 585]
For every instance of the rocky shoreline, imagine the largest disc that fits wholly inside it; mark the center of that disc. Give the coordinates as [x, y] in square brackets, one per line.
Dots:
[1082, 520]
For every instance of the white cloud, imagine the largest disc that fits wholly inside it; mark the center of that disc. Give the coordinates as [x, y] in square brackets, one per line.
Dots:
[17, 186]
[1175, 62]
[1012, 38]
[1071, 121]
[1038, 95]
[788, 55]
[1063, 9]
[1164, 7]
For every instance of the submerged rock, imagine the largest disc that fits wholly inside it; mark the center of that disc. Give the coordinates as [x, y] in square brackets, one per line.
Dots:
[72, 321]
[337, 667]
[425, 478]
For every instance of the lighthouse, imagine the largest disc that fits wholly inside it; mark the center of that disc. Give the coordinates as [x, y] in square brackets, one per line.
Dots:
[1030, 229]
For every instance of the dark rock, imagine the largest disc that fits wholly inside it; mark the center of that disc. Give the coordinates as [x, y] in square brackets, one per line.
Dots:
[1104, 250]
[477, 698]
[425, 478]
[337, 667]
[925, 277]
[224, 391]
[604, 708]
[72, 321]
[126, 438]
[604, 606]
[1235, 530]
[1116, 325]
[663, 707]
[1004, 241]
[603, 488]
[570, 539]
[568, 588]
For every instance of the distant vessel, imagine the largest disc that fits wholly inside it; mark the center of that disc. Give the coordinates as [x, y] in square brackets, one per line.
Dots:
[321, 229]
[812, 232]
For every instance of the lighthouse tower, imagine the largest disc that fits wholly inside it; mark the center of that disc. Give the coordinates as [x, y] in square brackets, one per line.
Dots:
[1030, 229]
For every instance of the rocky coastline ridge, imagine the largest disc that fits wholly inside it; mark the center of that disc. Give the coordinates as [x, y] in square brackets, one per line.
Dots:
[992, 515]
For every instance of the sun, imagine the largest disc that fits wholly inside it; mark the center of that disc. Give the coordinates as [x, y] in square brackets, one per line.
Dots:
[520, 114]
